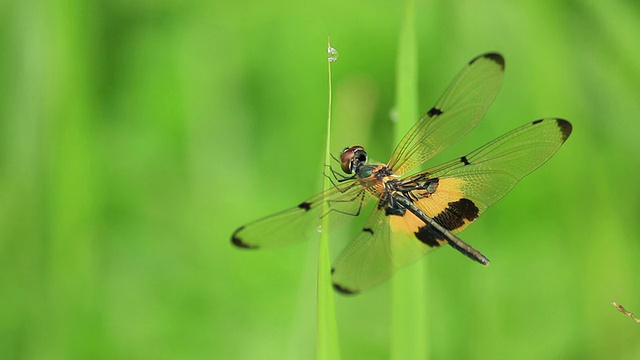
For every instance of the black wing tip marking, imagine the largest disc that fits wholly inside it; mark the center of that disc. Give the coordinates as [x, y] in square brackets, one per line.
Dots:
[464, 160]
[493, 56]
[344, 290]
[341, 289]
[235, 240]
[564, 125]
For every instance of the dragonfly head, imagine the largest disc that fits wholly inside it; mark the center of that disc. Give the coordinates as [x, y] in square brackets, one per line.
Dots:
[352, 159]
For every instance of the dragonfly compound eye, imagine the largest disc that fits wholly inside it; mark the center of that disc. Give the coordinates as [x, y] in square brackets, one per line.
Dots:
[352, 159]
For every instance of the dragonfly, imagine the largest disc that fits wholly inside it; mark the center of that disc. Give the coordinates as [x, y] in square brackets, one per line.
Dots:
[417, 211]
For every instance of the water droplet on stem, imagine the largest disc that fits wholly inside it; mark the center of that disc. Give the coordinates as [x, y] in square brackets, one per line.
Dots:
[333, 54]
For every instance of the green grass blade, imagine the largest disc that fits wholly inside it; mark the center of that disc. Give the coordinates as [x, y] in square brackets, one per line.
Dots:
[409, 334]
[327, 342]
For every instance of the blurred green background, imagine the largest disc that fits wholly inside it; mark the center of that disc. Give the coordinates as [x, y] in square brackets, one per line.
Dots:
[136, 136]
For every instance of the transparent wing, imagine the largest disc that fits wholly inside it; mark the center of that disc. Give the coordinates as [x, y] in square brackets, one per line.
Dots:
[457, 111]
[303, 221]
[374, 256]
[467, 186]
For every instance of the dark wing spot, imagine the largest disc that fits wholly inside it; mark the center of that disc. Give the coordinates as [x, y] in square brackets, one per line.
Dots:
[464, 160]
[305, 205]
[565, 128]
[434, 111]
[368, 230]
[344, 290]
[429, 235]
[235, 240]
[495, 57]
[536, 122]
[454, 216]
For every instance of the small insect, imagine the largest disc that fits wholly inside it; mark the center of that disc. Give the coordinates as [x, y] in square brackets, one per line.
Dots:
[419, 212]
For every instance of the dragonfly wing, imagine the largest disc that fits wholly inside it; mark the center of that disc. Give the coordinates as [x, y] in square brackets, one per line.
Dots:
[467, 186]
[374, 256]
[457, 111]
[338, 203]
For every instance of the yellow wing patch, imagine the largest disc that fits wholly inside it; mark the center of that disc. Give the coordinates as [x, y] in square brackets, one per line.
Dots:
[447, 205]
[407, 224]
[448, 190]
